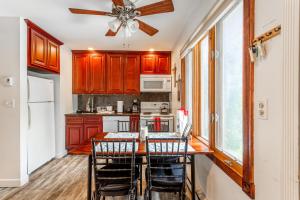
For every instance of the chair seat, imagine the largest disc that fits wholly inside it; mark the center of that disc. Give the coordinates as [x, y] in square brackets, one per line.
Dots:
[115, 179]
[167, 176]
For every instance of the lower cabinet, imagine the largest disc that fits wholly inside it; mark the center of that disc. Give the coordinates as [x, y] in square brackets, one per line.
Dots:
[80, 130]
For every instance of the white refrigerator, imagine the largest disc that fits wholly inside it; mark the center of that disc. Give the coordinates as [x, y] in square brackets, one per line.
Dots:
[41, 125]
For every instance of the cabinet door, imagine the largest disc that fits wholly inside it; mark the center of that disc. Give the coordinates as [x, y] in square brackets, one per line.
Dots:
[74, 135]
[53, 62]
[90, 130]
[148, 64]
[38, 49]
[97, 74]
[80, 73]
[132, 74]
[115, 73]
[163, 64]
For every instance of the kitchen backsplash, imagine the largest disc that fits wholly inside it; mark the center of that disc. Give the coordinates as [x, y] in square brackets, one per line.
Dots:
[111, 100]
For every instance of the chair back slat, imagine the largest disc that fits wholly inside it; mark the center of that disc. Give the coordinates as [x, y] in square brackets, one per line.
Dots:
[111, 159]
[166, 154]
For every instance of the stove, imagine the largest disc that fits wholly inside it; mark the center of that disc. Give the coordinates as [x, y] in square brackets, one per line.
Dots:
[152, 110]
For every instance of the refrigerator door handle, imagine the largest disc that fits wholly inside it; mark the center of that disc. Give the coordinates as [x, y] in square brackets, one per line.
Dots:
[29, 117]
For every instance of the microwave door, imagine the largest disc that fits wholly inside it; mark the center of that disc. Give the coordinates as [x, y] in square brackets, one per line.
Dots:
[153, 85]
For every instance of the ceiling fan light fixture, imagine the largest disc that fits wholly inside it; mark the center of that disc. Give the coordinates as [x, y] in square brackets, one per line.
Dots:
[114, 25]
[133, 25]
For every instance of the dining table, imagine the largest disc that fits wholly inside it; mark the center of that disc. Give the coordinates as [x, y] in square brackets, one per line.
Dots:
[195, 147]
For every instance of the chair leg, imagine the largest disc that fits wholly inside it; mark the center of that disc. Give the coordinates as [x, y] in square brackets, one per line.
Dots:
[141, 178]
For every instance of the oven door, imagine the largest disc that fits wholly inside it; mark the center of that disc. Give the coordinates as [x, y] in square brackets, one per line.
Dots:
[158, 83]
[144, 119]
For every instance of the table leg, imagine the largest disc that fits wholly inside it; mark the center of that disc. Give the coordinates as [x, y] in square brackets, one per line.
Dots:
[193, 177]
[89, 184]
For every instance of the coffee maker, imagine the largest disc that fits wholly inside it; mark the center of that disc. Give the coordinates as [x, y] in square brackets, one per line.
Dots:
[135, 106]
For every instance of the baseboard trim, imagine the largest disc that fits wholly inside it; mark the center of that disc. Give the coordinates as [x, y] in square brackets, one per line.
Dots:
[61, 154]
[12, 182]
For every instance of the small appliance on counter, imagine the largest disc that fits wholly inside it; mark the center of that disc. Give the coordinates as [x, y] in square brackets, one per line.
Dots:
[135, 106]
[120, 106]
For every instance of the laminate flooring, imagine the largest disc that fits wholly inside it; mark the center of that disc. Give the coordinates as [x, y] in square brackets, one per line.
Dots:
[61, 179]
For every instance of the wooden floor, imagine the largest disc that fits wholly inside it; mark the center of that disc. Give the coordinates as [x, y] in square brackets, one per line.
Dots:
[61, 179]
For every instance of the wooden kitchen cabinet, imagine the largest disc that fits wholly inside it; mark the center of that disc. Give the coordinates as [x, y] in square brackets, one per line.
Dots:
[132, 74]
[53, 58]
[80, 129]
[156, 64]
[43, 50]
[148, 64]
[74, 135]
[97, 74]
[80, 73]
[38, 49]
[115, 83]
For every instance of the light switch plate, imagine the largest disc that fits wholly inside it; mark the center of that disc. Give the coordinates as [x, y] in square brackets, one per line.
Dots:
[262, 109]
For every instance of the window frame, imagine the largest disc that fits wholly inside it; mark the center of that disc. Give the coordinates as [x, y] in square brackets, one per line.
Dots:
[241, 173]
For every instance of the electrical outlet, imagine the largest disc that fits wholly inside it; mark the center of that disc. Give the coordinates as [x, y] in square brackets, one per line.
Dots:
[262, 109]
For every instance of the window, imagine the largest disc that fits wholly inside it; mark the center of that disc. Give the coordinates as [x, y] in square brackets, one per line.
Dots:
[189, 85]
[204, 87]
[229, 84]
[219, 80]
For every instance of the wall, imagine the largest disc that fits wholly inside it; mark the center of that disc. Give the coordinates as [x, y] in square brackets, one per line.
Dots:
[268, 144]
[13, 128]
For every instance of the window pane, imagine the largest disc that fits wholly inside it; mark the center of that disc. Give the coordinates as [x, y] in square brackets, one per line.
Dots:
[189, 84]
[204, 49]
[231, 86]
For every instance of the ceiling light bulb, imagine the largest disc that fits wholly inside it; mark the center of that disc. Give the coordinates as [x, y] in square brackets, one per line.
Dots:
[114, 25]
[127, 32]
[133, 25]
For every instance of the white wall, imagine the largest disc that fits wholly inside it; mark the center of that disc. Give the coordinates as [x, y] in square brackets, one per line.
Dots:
[268, 133]
[13, 121]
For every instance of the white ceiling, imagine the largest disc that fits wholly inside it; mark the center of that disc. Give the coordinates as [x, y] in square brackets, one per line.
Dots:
[83, 31]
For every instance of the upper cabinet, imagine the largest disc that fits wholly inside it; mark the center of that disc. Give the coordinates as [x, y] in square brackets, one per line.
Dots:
[156, 63]
[115, 72]
[43, 50]
[97, 74]
[115, 75]
[132, 74]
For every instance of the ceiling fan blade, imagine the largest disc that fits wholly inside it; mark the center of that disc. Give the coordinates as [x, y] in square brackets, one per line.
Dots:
[146, 28]
[87, 12]
[118, 2]
[156, 8]
[111, 33]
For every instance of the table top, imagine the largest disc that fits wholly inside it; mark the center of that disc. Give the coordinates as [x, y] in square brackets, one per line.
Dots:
[198, 147]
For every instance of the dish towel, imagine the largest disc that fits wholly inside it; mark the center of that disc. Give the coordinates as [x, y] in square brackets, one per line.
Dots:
[157, 125]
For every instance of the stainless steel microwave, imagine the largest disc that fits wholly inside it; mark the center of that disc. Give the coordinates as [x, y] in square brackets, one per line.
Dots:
[156, 83]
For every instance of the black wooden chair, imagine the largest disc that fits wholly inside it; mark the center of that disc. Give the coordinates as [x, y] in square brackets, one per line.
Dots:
[114, 168]
[158, 125]
[133, 126]
[166, 166]
[128, 126]
[187, 130]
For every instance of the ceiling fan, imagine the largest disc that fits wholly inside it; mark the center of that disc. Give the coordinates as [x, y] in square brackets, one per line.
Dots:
[125, 13]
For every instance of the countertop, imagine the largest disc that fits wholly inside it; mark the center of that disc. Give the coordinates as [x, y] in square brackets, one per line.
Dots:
[101, 114]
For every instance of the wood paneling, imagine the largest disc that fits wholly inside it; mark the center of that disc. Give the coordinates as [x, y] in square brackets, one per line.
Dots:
[97, 74]
[80, 73]
[132, 74]
[148, 64]
[183, 84]
[115, 66]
